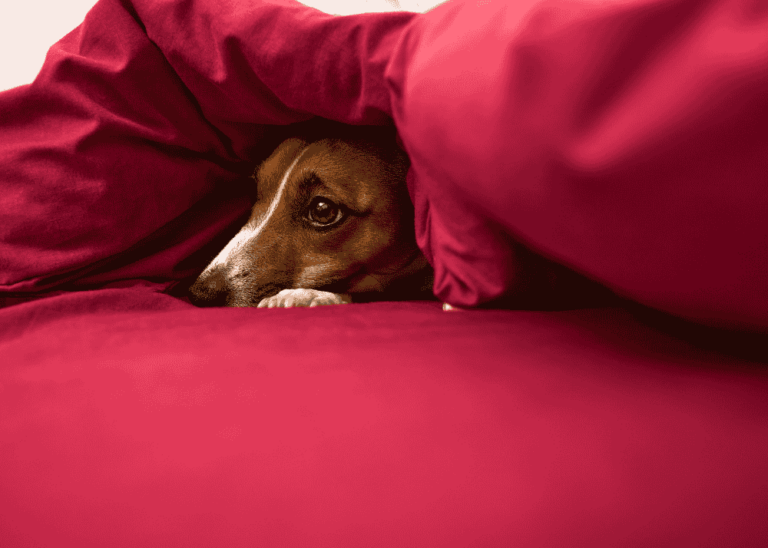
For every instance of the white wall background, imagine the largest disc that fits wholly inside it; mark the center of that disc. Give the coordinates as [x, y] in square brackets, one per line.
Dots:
[29, 27]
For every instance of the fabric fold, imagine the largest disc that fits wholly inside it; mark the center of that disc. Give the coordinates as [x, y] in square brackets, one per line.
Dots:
[625, 140]
[149, 109]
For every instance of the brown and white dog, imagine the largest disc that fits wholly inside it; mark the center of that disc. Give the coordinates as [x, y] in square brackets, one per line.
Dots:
[332, 218]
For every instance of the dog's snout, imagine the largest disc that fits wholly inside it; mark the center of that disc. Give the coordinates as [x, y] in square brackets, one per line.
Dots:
[210, 289]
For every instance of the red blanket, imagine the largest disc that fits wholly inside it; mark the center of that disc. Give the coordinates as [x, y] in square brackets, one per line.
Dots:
[125, 156]
[625, 140]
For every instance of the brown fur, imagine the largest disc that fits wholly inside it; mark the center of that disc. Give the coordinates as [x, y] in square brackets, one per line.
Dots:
[372, 249]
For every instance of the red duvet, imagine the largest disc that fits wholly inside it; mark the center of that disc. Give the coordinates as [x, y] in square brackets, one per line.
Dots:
[627, 141]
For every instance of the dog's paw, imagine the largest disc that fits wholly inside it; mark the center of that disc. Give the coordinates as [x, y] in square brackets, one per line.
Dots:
[303, 297]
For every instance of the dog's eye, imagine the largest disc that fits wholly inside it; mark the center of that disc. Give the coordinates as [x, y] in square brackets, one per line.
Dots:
[324, 212]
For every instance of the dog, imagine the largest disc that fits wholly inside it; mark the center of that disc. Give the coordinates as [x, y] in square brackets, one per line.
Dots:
[332, 223]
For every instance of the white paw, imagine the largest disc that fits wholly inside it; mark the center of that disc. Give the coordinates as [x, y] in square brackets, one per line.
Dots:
[303, 297]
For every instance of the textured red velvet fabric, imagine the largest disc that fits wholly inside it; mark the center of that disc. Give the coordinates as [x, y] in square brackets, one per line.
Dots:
[129, 418]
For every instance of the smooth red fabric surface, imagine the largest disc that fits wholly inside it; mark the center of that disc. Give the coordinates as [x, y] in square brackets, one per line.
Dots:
[128, 418]
[627, 140]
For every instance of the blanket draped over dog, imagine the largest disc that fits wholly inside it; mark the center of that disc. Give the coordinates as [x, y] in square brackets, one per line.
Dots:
[626, 140]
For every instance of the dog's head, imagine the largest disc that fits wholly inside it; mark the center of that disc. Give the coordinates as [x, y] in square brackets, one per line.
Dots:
[331, 213]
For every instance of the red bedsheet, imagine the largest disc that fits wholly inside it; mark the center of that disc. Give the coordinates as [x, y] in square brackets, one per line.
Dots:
[129, 418]
[625, 140]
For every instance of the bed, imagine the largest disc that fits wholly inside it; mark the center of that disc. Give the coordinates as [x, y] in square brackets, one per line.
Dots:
[616, 149]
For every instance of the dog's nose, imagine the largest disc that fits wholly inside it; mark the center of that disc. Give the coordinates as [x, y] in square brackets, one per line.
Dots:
[210, 289]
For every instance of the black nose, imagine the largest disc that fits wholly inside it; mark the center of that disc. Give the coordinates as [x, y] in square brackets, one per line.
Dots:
[210, 289]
